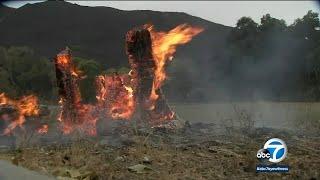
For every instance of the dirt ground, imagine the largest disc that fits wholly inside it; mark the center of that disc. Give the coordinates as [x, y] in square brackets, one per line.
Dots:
[193, 153]
[223, 148]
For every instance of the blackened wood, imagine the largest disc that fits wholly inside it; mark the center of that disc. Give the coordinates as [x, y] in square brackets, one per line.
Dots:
[68, 87]
[139, 51]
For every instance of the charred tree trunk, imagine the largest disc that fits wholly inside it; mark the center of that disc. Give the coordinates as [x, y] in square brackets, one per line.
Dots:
[139, 51]
[67, 85]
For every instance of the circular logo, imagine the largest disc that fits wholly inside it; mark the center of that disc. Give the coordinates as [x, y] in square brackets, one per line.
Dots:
[277, 149]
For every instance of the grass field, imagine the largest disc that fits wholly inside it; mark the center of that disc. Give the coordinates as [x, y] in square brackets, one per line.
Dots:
[290, 115]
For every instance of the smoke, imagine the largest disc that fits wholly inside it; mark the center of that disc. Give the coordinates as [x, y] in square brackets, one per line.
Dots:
[271, 74]
[206, 87]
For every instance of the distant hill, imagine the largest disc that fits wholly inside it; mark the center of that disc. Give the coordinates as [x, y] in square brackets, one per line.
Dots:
[99, 32]
[5, 11]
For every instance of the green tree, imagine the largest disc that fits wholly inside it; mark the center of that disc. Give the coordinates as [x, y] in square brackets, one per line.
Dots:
[90, 69]
[269, 23]
[243, 37]
[306, 30]
[23, 72]
[307, 27]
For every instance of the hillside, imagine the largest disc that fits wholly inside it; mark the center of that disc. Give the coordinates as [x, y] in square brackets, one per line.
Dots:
[5, 11]
[99, 32]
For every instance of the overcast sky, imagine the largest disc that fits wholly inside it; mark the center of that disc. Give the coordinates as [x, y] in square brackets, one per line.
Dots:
[222, 12]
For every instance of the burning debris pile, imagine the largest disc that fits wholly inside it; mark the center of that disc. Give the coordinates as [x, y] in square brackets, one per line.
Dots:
[13, 113]
[135, 96]
[115, 95]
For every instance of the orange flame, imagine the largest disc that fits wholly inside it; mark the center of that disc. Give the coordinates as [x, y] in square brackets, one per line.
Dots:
[124, 109]
[164, 45]
[86, 119]
[64, 60]
[75, 115]
[115, 96]
[26, 106]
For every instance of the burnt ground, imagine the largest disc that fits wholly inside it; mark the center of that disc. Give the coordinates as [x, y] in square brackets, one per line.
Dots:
[199, 151]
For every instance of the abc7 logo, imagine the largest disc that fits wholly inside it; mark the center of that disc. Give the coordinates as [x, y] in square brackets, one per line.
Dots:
[263, 155]
[274, 150]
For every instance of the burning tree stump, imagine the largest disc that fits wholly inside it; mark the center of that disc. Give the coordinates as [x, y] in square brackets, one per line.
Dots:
[139, 51]
[67, 86]
[74, 114]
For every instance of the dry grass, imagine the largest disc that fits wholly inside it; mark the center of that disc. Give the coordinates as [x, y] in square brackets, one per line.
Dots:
[208, 160]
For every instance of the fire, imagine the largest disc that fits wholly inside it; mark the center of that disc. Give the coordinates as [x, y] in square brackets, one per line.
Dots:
[43, 129]
[74, 114]
[115, 93]
[88, 118]
[25, 106]
[64, 61]
[164, 45]
[85, 116]
[115, 96]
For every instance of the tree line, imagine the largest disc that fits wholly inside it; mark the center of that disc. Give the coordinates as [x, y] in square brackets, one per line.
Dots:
[280, 61]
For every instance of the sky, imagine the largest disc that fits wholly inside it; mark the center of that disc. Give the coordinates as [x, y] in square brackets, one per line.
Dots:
[222, 12]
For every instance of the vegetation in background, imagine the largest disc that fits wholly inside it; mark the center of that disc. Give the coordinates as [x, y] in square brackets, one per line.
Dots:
[273, 57]
[90, 69]
[23, 72]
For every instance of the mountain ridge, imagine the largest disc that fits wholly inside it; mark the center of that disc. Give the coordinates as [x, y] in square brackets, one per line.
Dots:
[98, 32]
[5, 11]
